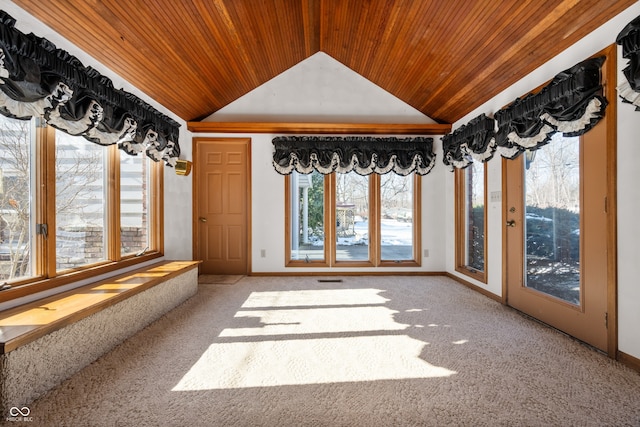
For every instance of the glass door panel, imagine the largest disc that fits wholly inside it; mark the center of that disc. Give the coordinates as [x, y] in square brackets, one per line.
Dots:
[552, 219]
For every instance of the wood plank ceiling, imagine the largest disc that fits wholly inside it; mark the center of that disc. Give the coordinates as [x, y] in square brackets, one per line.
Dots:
[444, 58]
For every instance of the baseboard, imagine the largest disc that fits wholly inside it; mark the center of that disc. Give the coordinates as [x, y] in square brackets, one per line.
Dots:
[381, 273]
[475, 287]
[628, 360]
[348, 273]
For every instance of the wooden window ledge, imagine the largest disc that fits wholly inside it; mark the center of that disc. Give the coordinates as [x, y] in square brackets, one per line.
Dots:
[26, 323]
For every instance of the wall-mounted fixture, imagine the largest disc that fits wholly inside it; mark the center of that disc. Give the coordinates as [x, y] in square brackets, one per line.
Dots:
[183, 167]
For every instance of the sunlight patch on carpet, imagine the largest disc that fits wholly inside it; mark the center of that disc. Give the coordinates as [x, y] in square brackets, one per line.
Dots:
[314, 297]
[309, 361]
[315, 320]
[324, 336]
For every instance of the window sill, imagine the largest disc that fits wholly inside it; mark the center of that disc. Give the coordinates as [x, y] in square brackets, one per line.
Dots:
[22, 289]
[480, 276]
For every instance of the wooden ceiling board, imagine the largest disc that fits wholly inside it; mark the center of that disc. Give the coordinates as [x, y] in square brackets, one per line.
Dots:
[217, 63]
[443, 58]
[511, 58]
[444, 64]
[477, 52]
[311, 23]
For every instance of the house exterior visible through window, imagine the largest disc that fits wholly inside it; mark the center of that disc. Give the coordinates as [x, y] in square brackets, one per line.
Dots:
[81, 203]
[307, 217]
[135, 215]
[471, 219]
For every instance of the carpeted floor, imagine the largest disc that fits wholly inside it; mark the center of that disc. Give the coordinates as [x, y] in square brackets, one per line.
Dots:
[384, 351]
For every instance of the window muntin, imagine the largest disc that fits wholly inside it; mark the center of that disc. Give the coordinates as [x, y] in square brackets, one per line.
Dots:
[17, 192]
[353, 210]
[471, 215]
[66, 181]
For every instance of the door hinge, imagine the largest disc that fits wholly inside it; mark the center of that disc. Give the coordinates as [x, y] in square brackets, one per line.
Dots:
[606, 320]
[606, 205]
[42, 229]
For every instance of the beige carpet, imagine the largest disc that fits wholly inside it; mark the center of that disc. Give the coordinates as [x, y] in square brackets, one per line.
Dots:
[386, 351]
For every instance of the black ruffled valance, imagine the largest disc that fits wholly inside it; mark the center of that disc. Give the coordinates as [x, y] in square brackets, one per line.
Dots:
[571, 103]
[363, 155]
[38, 79]
[475, 140]
[629, 39]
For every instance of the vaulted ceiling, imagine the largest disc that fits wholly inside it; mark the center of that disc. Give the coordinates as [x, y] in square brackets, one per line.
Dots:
[442, 57]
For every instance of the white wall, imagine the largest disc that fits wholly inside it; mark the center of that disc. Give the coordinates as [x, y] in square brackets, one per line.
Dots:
[315, 90]
[628, 224]
[319, 89]
[628, 178]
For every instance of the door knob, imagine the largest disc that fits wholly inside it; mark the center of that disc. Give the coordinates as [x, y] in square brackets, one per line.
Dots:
[202, 219]
[511, 223]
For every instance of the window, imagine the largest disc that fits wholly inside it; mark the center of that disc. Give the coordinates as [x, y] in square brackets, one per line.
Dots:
[135, 218]
[81, 203]
[61, 199]
[306, 201]
[17, 192]
[396, 224]
[351, 220]
[471, 219]
[351, 205]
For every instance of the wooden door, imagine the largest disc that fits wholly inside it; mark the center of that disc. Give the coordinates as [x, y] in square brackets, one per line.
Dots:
[556, 235]
[591, 313]
[221, 207]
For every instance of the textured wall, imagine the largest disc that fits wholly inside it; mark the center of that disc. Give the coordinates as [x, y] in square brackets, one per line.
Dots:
[29, 371]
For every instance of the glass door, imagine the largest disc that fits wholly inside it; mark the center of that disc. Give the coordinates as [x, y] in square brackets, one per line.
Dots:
[556, 235]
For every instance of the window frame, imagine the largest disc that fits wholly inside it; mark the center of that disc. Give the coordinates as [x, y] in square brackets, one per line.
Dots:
[45, 275]
[416, 223]
[371, 259]
[289, 262]
[330, 241]
[461, 216]
[154, 211]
